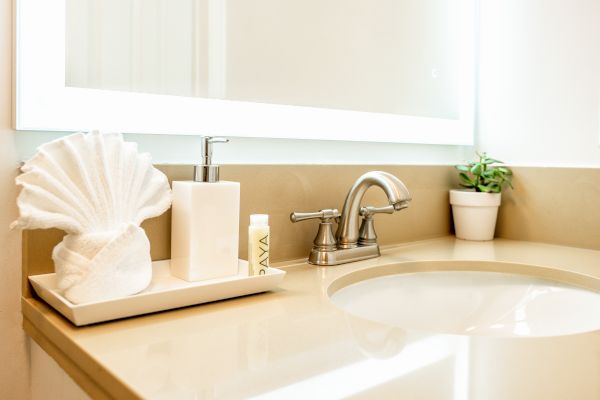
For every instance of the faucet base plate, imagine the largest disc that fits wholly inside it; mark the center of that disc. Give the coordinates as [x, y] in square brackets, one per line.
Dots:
[342, 256]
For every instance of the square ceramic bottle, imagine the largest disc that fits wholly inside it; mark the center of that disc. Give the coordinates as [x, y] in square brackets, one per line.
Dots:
[205, 222]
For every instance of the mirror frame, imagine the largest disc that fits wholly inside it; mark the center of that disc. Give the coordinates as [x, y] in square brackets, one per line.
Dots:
[43, 102]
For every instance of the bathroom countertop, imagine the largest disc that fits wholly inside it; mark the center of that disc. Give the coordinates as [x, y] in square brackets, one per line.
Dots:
[295, 343]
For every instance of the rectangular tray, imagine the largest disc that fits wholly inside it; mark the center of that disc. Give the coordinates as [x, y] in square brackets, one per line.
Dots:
[164, 293]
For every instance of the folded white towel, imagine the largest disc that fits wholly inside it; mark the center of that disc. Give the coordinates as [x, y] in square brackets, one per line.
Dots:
[103, 265]
[98, 189]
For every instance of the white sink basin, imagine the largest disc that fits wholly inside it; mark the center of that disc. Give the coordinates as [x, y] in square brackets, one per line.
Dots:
[472, 303]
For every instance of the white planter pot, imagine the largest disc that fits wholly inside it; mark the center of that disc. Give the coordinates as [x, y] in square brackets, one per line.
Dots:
[475, 214]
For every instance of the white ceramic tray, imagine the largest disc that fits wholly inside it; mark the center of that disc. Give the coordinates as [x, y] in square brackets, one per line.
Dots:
[164, 293]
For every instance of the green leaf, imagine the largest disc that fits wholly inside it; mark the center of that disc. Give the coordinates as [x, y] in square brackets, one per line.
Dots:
[490, 173]
[466, 181]
[463, 168]
[476, 169]
[483, 188]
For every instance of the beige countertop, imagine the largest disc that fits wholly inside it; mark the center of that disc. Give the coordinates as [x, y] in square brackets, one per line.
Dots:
[295, 343]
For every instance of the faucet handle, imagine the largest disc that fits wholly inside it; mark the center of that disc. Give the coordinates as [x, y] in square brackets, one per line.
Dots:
[369, 211]
[367, 235]
[325, 215]
[324, 241]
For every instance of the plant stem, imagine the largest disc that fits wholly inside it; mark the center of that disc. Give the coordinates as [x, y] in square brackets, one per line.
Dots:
[483, 169]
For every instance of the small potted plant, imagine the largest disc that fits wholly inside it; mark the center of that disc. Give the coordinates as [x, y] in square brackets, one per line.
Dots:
[475, 208]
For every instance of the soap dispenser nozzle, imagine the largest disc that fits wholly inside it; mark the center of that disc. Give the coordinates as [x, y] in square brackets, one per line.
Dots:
[206, 171]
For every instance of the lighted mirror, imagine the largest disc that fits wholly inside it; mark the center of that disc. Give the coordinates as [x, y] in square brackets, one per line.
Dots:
[383, 70]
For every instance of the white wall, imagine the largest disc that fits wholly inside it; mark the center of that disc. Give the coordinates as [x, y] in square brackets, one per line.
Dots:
[14, 366]
[539, 100]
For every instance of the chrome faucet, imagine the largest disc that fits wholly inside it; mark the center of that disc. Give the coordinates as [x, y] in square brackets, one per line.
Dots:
[352, 243]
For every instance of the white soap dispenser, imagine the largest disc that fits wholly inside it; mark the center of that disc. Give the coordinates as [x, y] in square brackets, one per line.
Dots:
[205, 222]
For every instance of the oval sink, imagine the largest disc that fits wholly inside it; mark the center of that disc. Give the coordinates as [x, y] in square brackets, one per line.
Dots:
[469, 302]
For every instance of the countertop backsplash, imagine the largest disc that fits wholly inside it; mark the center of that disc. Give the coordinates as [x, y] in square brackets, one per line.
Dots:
[543, 202]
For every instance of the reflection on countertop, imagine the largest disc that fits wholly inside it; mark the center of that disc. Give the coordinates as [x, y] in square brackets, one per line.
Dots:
[295, 343]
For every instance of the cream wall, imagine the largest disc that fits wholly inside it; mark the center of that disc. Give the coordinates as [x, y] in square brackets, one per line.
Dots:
[17, 364]
[49, 381]
[14, 365]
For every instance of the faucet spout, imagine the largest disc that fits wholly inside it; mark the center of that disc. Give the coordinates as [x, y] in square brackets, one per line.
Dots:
[397, 194]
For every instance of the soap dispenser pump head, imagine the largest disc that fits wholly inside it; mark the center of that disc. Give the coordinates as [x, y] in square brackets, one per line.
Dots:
[206, 171]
